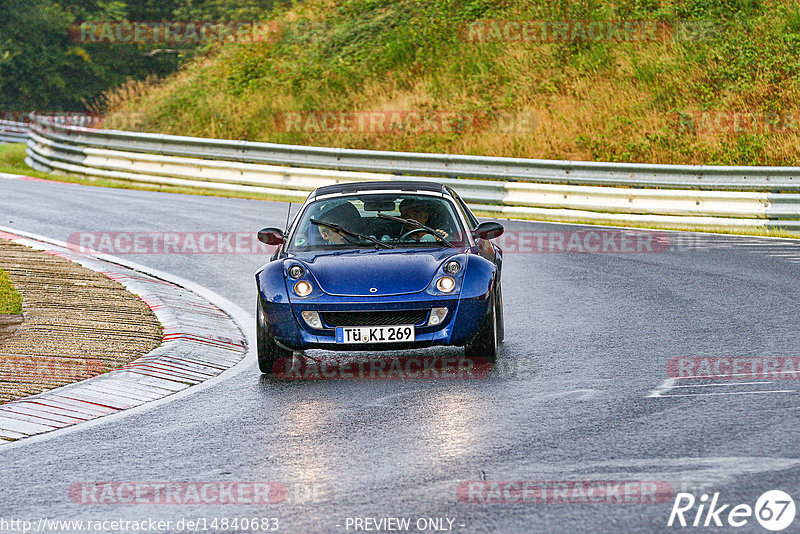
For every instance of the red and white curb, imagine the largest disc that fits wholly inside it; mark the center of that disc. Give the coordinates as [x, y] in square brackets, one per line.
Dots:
[200, 341]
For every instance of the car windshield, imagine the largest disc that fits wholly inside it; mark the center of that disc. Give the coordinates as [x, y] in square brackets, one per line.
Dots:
[391, 219]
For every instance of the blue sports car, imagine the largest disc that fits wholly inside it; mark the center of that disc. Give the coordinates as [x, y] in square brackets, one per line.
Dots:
[380, 265]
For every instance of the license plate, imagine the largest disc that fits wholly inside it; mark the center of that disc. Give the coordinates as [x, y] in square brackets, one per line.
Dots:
[375, 334]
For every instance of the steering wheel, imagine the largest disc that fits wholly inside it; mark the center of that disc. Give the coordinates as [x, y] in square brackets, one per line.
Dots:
[412, 232]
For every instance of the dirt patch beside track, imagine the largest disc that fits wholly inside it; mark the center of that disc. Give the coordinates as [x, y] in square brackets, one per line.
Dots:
[8, 325]
[77, 324]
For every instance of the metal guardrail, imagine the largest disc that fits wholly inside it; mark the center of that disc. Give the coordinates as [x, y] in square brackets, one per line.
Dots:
[445, 165]
[17, 131]
[555, 190]
[13, 132]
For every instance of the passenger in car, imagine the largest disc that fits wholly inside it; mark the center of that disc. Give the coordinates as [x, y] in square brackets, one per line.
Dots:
[345, 215]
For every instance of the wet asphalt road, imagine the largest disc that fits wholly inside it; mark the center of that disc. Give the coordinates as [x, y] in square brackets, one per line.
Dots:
[588, 338]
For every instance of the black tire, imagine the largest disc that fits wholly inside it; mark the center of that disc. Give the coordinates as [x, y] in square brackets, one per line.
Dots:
[268, 350]
[485, 343]
[501, 327]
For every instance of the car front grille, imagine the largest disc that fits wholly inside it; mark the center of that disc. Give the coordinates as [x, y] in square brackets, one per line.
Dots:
[374, 318]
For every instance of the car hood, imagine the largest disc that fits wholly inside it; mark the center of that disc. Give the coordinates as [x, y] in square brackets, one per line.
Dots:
[376, 272]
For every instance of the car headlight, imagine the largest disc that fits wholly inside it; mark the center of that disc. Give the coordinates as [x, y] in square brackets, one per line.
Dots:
[452, 267]
[445, 284]
[295, 271]
[449, 276]
[302, 288]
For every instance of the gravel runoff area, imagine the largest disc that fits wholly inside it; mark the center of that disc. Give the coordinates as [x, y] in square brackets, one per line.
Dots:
[77, 324]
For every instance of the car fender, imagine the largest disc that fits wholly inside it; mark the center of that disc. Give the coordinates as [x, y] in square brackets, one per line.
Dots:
[475, 300]
[479, 278]
[275, 304]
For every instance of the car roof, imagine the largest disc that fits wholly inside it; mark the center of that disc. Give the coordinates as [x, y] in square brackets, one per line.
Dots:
[393, 185]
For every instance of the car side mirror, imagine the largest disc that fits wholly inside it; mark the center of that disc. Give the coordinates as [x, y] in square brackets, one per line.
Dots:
[488, 230]
[271, 236]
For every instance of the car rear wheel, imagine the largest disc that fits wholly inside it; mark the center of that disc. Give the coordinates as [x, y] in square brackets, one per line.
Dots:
[485, 343]
[268, 349]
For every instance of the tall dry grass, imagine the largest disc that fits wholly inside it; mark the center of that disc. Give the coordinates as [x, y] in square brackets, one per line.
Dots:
[609, 101]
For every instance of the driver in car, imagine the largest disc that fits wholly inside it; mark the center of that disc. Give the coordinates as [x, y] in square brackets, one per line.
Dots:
[343, 215]
[423, 212]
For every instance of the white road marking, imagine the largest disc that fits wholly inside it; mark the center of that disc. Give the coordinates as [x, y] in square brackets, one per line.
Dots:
[723, 385]
[727, 375]
[663, 389]
[714, 471]
[665, 386]
[731, 393]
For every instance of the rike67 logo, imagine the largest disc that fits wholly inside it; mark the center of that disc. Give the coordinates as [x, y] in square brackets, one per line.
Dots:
[774, 510]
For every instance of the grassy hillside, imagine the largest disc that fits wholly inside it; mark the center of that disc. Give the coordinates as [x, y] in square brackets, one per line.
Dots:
[725, 91]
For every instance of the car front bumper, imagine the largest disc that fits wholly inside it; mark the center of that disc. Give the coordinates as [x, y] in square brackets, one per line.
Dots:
[462, 322]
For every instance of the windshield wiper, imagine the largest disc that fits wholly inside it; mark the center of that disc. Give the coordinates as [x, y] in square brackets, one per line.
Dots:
[338, 228]
[417, 224]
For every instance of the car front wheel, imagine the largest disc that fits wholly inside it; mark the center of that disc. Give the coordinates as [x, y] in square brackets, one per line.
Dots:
[268, 349]
[485, 343]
